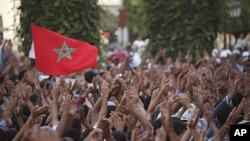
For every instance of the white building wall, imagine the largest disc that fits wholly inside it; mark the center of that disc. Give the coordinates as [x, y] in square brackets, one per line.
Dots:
[8, 14]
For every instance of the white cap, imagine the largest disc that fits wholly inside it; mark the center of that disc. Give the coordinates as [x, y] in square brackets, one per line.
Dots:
[225, 53]
[42, 77]
[245, 54]
[236, 52]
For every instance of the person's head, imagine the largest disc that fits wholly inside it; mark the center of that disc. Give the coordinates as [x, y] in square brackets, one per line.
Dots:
[44, 133]
[7, 46]
[179, 126]
[109, 110]
[89, 75]
[85, 134]
[115, 60]
[10, 134]
[128, 48]
[76, 124]
[119, 136]
[115, 86]
[26, 61]
[139, 38]
[72, 133]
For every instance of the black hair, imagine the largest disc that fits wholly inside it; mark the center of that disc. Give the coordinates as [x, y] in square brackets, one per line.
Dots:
[222, 116]
[76, 124]
[72, 133]
[89, 75]
[178, 125]
[2, 135]
[10, 134]
[156, 125]
[236, 100]
[26, 110]
[85, 134]
[119, 136]
[110, 109]
[147, 102]
[33, 99]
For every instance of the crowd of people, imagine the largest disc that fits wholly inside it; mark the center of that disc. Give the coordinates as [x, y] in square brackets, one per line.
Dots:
[178, 99]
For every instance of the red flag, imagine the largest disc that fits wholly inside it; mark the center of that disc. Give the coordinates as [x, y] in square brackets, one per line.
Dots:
[60, 55]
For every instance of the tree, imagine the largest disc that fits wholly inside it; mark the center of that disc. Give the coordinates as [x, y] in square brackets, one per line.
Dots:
[242, 23]
[136, 17]
[187, 26]
[78, 19]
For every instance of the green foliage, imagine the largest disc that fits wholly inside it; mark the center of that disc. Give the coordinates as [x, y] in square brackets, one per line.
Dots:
[187, 26]
[78, 19]
[241, 23]
[136, 16]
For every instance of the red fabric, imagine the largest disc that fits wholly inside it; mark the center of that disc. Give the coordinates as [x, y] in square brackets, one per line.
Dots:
[80, 100]
[46, 41]
[116, 55]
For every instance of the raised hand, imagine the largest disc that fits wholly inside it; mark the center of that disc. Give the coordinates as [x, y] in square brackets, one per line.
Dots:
[105, 125]
[66, 104]
[95, 135]
[8, 118]
[130, 122]
[184, 100]
[19, 109]
[73, 108]
[2, 91]
[37, 111]
[29, 77]
[193, 122]
[166, 119]
[117, 122]
[137, 135]
[105, 89]
[26, 92]
[129, 102]
[56, 89]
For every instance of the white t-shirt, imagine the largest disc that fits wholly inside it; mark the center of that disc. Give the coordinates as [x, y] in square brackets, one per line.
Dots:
[138, 43]
[136, 60]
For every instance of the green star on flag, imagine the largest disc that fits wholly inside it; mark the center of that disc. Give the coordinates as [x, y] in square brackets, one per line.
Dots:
[58, 55]
[64, 51]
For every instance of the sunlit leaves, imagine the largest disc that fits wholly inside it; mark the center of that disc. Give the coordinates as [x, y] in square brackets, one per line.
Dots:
[79, 19]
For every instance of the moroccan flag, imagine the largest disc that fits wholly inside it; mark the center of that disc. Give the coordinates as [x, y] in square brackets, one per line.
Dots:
[60, 55]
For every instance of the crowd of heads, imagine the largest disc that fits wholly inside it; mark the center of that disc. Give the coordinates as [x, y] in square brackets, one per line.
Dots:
[183, 98]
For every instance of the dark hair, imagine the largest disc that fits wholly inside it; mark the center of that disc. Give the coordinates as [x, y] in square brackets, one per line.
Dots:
[178, 125]
[72, 133]
[2, 135]
[109, 110]
[10, 134]
[76, 124]
[33, 98]
[85, 134]
[146, 102]
[26, 110]
[156, 125]
[236, 100]
[89, 75]
[119, 136]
